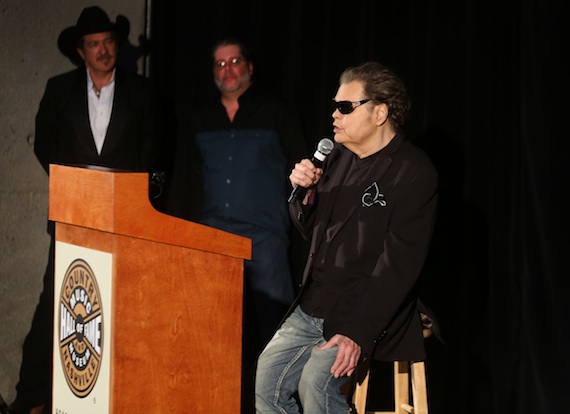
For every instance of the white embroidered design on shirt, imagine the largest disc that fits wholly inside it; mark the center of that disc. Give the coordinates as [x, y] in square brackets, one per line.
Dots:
[372, 195]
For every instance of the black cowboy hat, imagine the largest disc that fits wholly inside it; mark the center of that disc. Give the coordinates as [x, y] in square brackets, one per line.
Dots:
[91, 20]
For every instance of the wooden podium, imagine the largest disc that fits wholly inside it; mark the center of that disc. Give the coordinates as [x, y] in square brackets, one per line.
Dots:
[148, 307]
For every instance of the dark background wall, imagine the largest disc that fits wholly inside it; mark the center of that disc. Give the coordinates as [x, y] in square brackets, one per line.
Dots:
[489, 92]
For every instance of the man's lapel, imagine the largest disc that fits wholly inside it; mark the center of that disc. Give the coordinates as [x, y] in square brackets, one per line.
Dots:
[119, 115]
[79, 114]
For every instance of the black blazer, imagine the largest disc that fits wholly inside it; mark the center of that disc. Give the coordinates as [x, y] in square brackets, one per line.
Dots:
[63, 133]
[375, 252]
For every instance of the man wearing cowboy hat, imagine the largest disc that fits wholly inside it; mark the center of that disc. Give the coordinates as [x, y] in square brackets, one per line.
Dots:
[74, 123]
[97, 114]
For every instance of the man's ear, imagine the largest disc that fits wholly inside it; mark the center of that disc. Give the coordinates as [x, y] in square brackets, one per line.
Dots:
[381, 112]
[80, 53]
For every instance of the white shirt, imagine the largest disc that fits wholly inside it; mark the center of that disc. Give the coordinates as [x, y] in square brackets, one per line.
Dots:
[100, 108]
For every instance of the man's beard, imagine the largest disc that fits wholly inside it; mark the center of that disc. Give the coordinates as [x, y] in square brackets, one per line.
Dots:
[240, 83]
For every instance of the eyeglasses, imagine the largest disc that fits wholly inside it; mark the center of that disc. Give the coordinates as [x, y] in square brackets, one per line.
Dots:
[346, 107]
[222, 64]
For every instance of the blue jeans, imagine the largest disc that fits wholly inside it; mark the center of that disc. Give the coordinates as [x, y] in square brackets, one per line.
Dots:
[290, 364]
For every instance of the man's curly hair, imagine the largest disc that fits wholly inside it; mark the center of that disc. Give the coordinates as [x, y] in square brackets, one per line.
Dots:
[381, 85]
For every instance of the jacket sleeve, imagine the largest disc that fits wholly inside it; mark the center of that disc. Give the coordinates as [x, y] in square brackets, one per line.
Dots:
[303, 217]
[46, 143]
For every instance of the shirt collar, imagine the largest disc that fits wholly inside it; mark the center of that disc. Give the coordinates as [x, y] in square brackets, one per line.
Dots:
[90, 81]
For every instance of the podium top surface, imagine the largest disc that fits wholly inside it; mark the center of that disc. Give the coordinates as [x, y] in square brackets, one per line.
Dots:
[117, 202]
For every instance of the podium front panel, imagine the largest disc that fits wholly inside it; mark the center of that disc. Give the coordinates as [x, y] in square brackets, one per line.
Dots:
[173, 326]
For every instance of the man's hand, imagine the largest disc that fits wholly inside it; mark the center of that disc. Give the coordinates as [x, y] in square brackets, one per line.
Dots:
[347, 356]
[305, 174]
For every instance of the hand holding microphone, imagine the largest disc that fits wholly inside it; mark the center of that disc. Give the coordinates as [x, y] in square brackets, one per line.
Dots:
[304, 174]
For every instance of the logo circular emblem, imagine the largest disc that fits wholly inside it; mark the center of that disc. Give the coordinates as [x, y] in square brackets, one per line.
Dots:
[80, 328]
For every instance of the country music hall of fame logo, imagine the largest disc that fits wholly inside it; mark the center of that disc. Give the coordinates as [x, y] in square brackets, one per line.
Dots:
[80, 328]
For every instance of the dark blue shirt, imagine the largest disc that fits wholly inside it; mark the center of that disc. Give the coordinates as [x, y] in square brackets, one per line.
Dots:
[245, 164]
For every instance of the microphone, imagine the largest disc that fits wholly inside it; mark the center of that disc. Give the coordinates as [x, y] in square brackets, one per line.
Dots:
[324, 148]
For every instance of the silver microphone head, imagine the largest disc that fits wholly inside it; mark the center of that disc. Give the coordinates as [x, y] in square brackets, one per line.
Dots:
[325, 146]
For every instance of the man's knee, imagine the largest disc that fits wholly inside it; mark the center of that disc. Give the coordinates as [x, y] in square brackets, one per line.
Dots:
[316, 376]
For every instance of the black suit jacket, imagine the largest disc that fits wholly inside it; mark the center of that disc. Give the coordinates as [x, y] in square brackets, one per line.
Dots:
[63, 132]
[374, 252]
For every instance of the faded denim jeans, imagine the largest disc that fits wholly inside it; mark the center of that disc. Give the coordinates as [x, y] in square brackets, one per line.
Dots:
[290, 364]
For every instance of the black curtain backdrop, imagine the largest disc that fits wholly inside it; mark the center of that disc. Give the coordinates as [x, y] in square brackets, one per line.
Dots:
[489, 88]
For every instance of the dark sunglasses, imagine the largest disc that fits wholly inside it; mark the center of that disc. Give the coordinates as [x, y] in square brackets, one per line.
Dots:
[346, 107]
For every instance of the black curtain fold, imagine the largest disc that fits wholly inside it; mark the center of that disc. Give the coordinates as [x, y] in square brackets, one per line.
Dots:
[489, 88]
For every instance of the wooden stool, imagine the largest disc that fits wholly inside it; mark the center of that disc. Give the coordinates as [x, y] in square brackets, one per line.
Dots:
[405, 373]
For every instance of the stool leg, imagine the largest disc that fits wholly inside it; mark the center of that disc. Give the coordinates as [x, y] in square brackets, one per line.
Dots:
[419, 387]
[401, 386]
[360, 393]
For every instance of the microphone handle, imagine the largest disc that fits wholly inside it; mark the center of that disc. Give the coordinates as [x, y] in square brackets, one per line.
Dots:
[299, 192]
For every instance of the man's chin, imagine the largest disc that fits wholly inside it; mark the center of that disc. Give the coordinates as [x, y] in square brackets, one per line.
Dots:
[230, 88]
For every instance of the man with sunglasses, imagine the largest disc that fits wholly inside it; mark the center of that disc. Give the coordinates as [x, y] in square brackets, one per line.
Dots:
[242, 147]
[369, 214]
